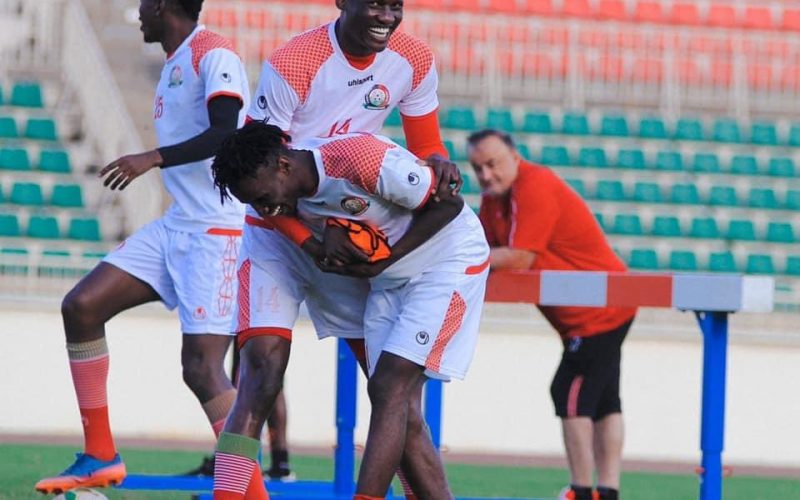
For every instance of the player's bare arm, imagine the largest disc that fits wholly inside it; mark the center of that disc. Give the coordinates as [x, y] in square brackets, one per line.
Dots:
[448, 176]
[510, 258]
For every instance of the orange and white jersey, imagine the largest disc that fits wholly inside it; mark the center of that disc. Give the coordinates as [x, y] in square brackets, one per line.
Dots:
[370, 178]
[204, 66]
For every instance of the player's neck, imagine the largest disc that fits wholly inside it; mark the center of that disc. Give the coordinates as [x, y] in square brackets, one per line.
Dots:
[178, 31]
[306, 168]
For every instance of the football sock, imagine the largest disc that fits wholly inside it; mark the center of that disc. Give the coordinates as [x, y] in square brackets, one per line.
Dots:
[88, 362]
[582, 492]
[407, 491]
[280, 461]
[217, 408]
[235, 468]
[607, 493]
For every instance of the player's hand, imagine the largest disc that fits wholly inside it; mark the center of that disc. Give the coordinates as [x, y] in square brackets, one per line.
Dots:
[447, 174]
[313, 247]
[123, 171]
[338, 250]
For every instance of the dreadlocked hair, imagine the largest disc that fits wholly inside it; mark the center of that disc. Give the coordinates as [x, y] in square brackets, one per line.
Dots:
[191, 8]
[242, 153]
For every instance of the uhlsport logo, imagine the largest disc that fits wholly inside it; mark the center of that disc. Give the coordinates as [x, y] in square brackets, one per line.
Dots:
[355, 205]
[413, 178]
[175, 77]
[377, 97]
[262, 102]
[423, 338]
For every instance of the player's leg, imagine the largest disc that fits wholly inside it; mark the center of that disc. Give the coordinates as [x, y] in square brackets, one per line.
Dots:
[278, 445]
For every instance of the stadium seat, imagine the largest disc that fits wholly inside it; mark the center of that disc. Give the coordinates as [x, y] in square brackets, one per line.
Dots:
[14, 159]
[792, 265]
[43, 226]
[705, 227]
[741, 230]
[576, 8]
[652, 127]
[592, 157]
[451, 148]
[460, 118]
[84, 229]
[524, 151]
[667, 226]
[27, 94]
[500, 119]
[744, 165]
[722, 196]
[780, 232]
[608, 190]
[727, 130]
[684, 194]
[401, 141]
[722, 262]
[55, 161]
[669, 160]
[614, 125]
[643, 258]
[394, 119]
[613, 10]
[627, 224]
[685, 13]
[555, 155]
[575, 123]
[55, 263]
[2, 96]
[578, 186]
[600, 220]
[538, 7]
[648, 11]
[469, 185]
[8, 127]
[763, 133]
[759, 264]
[791, 19]
[762, 198]
[721, 15]
[41, 128]
[757, 17]
[9, 225]
[781, 167]
[647, 192]
[631, 158]
[537, 123]
[706, 163]
[682, 260]
[27, 193]
[67, 195]
[19, 265]
[689, 129]
[792, 199]
[794, 133]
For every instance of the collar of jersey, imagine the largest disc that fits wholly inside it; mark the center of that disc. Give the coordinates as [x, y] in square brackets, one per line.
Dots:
[354, 62]
[186, 41]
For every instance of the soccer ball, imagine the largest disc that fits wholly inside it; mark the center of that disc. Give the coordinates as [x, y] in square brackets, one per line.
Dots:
[81, 494]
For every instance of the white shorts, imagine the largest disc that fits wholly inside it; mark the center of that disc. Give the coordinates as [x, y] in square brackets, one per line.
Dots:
[432, 320]
[276, 276]
[195, 272]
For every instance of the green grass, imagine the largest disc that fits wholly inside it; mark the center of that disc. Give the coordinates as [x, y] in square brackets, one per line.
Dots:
[22, 465]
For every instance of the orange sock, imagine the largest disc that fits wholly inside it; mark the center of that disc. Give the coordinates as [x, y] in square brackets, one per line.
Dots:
[217, 408]
[88, 363]
[256, 489]
[407, 491]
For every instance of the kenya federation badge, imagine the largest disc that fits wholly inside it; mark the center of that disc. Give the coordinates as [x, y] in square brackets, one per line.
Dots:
[377, 97]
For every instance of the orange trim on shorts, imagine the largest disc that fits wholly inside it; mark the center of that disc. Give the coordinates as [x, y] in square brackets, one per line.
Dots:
[219, 231]
[450, 326]
[245, 335]
[225, 94]
[574, 394]
[477, 269]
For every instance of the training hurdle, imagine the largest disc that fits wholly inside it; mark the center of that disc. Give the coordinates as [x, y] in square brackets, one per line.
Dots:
[712, 297]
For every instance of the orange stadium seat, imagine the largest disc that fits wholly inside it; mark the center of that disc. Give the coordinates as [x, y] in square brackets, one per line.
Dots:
[467, 5]
[757, 17]
[553, 35]
[503, 6]
[648, 70]
[790, 20]
[721, 15]
[221, 17]
[594, 38]
[721, 73]
[538, 7]
[257, 19]
[685, 13]
[648, 12]
[577, 8]
[790, 78]
[426, 4]
[689, 72]
[612, 10]
[759, 76]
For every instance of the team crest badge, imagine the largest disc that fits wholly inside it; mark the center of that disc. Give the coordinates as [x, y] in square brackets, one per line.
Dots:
[176, 77]
[355, 205]
[377, 97]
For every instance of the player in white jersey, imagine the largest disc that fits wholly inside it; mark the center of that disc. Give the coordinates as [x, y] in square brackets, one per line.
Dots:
[423, 310]
[186, 258]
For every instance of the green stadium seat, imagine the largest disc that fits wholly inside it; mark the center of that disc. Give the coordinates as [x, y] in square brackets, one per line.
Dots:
[689, 129]
[14, 261]
[669, 160]
[2, 96]
[592, 157]
[84, 229]
[524, 151]
[460, 118]
[469, 184]
[706, 163]
[744, 165]
[614, 125]
[578, 186]
[781, 167]
[600, 220]
[451, 149]
[759, 264]
[647, 192]
[627, 224]
[643, 258]
[682, 260]
[722, 196]
[401, 141]
[792, 200]
[27, 94]
[762, 198]
[722, 262]
[555, 155]
[792, 265]
[794, 134]
[27, 193]
[9, 225]
[41, 128]
[8, 127]
[56, 161]
[67, 195]
[631, 158]
[43, 226]
[536, 122]
[727, 130]
[575, 123]
[55, 264]
[14, 159]
[704, 227]
[763, 133]
[667, 226]
[394, 119]
[609, 190]
[652, 127]
[741, 230]
[684, 194]
[780, 232]
[500, 119]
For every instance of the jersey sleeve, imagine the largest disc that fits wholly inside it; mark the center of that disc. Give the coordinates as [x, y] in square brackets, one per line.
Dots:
[534, 212]
[422, 99]
[404, 182]
[223, 74]
[275, 100]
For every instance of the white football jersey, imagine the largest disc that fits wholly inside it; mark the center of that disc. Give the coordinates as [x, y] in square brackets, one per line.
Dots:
[204, 66]
[370, 178]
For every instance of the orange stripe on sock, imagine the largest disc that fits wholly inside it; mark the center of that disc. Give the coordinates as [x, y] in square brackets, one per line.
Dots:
[97, 438]
[256, 489]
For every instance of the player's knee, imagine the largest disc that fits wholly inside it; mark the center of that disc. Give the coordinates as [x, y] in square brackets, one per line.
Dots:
[383, 389]
[260, 387]
[78, 306]
[199, 371]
